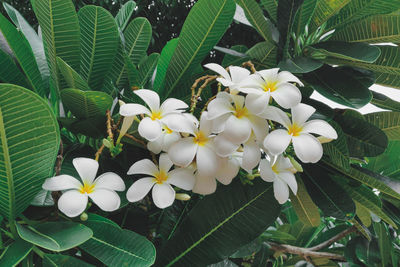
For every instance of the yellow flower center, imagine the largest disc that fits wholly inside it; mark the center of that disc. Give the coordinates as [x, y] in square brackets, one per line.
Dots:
[295, 130]
[167, 130]
[161, 177]
[201, 139]
[156, 115]
[86, 188]
[274, 168]
[270, 86]
[241, 112]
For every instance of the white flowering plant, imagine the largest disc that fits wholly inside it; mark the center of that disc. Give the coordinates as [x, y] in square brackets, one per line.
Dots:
[110, 156]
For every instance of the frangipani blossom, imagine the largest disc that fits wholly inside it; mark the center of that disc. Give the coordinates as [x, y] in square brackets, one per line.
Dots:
[233, 80]
[101, 190]
[279, 171]
[163, 143]
[161, 180]
[156, 116]
[298, 131]
[265, 84]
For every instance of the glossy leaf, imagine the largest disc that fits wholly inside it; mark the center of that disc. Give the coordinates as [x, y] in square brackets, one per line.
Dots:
[388, 163]
[93, 126]
[146, 69]
[54, 260]
[195, 41]
[300, 65]
[11, 74]
[86, 104]
[163, 62]
[72, 78]
[26, 124]
[304, 15]
[116, 247]
[55, 236]
[363, 214]
[264, 55]
[337, 150]
[15, 253]
[99, 44]
[305, 208]
[383, 101]
[271, 6]
[389, 122]
[231, 223]
[324, 10]
[124, 14]
[384, 242]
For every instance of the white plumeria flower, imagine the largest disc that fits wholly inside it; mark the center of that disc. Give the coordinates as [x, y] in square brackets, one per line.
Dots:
[279, 171]
[169, 114]
[164, 142]
[233, 80]
[229, 169]
[161, 180]
[265, 84]
[236, 123]
[306, 146]
[101, 190]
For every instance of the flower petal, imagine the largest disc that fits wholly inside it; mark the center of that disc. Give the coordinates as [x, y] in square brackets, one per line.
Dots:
[277, 141]
[285, 77]
[229, 169]
[287, 95]
[251, 155]
[237, 130]
[106, 200]
[164, 163]
[253, 84]
[173, 105]
[218, 107]
[156, 145]
[72, 203]
[320, 127]
[150, 97]
[283, 164]
[238, 74]
[269, 75]
[169, 139]
[256, 103]
[266, 172]
[86, 168]
[281, 191]
[218, 69]
[110, 181]
[207, 161]
[139, 189]
[205, 124]
[218, 124]
[163, 195]
[183, 151]
[128, 110]
[307, 148]
[182, 178]
[144, 166]
[223, 146]
[149, 129]
[179, 123]
[277, 115]
[301, 113]
[260, 127]
[126, 124]
[204, 185]
[290, 179]
[61, 182]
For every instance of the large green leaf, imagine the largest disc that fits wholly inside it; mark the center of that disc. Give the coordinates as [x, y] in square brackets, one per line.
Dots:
[300, 64]
[382, 101]
[363, 138]
[55, 236]
[263, 54]
[146, 69]
[359, 9]
[72, 78]
[34, 40]
[15, 253]
[162, 66]
[86, 104]
[55, 260]
[389, 122]
[99, 44]
[203, 28]
[11, 74]
[349, 51]
[220, 224]
[271, 6]
[124, 14]
[324, 10]
[60, 28]
[339, 85]
[304, 15]
[385, 243]
[116, 247]
[23, 53]
[305, 208]
[337, 150]
[388, 163]
[324, 192]
[376, 29]
[29, 141]
[256, 17]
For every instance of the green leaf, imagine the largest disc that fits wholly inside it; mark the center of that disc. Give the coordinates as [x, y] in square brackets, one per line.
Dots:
[201, 242]
[117, 247]
[382, 101]
[340, 86]
[305, 208]
[363, 138]
[304, 15]
[337, 150]
[86, 104]
[388, 163]
[325, 193]
[132, 73]
[99, 44]
[363, 214]
[34, 40]
[146, 69]
[235, 59]
[300, 64]
[162, 65]
[60, 27]
[359, 9]
[54, 260]
[195, 42]
[278, 236]
[256, 17]
[271, 6]
[94, 127]
[376, 29]
[385, 243]
[350, 51]
[15, 253]
[55, 236]
[23, 53]
[11, 74]
[264, 54]
[389, 122]
[324, 10]
[29, 141]
[72, 78]
[93, 217]
[124, 14]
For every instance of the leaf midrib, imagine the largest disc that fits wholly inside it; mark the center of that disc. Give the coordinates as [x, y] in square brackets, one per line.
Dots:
[93, 45]
[253, 20]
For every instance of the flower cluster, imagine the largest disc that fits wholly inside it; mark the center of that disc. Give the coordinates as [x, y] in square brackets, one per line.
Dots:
[246, 126]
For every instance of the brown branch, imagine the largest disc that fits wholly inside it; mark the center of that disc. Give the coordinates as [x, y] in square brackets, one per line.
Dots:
[195, 96]
[60, 158]
[337, 237]
[98, 153]
[250, 65]
[133, 138]
[109, 127]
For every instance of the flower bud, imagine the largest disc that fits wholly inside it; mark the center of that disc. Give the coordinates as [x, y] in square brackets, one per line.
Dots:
[182, 196]
[297, 167]
[107, 143]
[323, 139]
[84, 217]
[121, 103]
